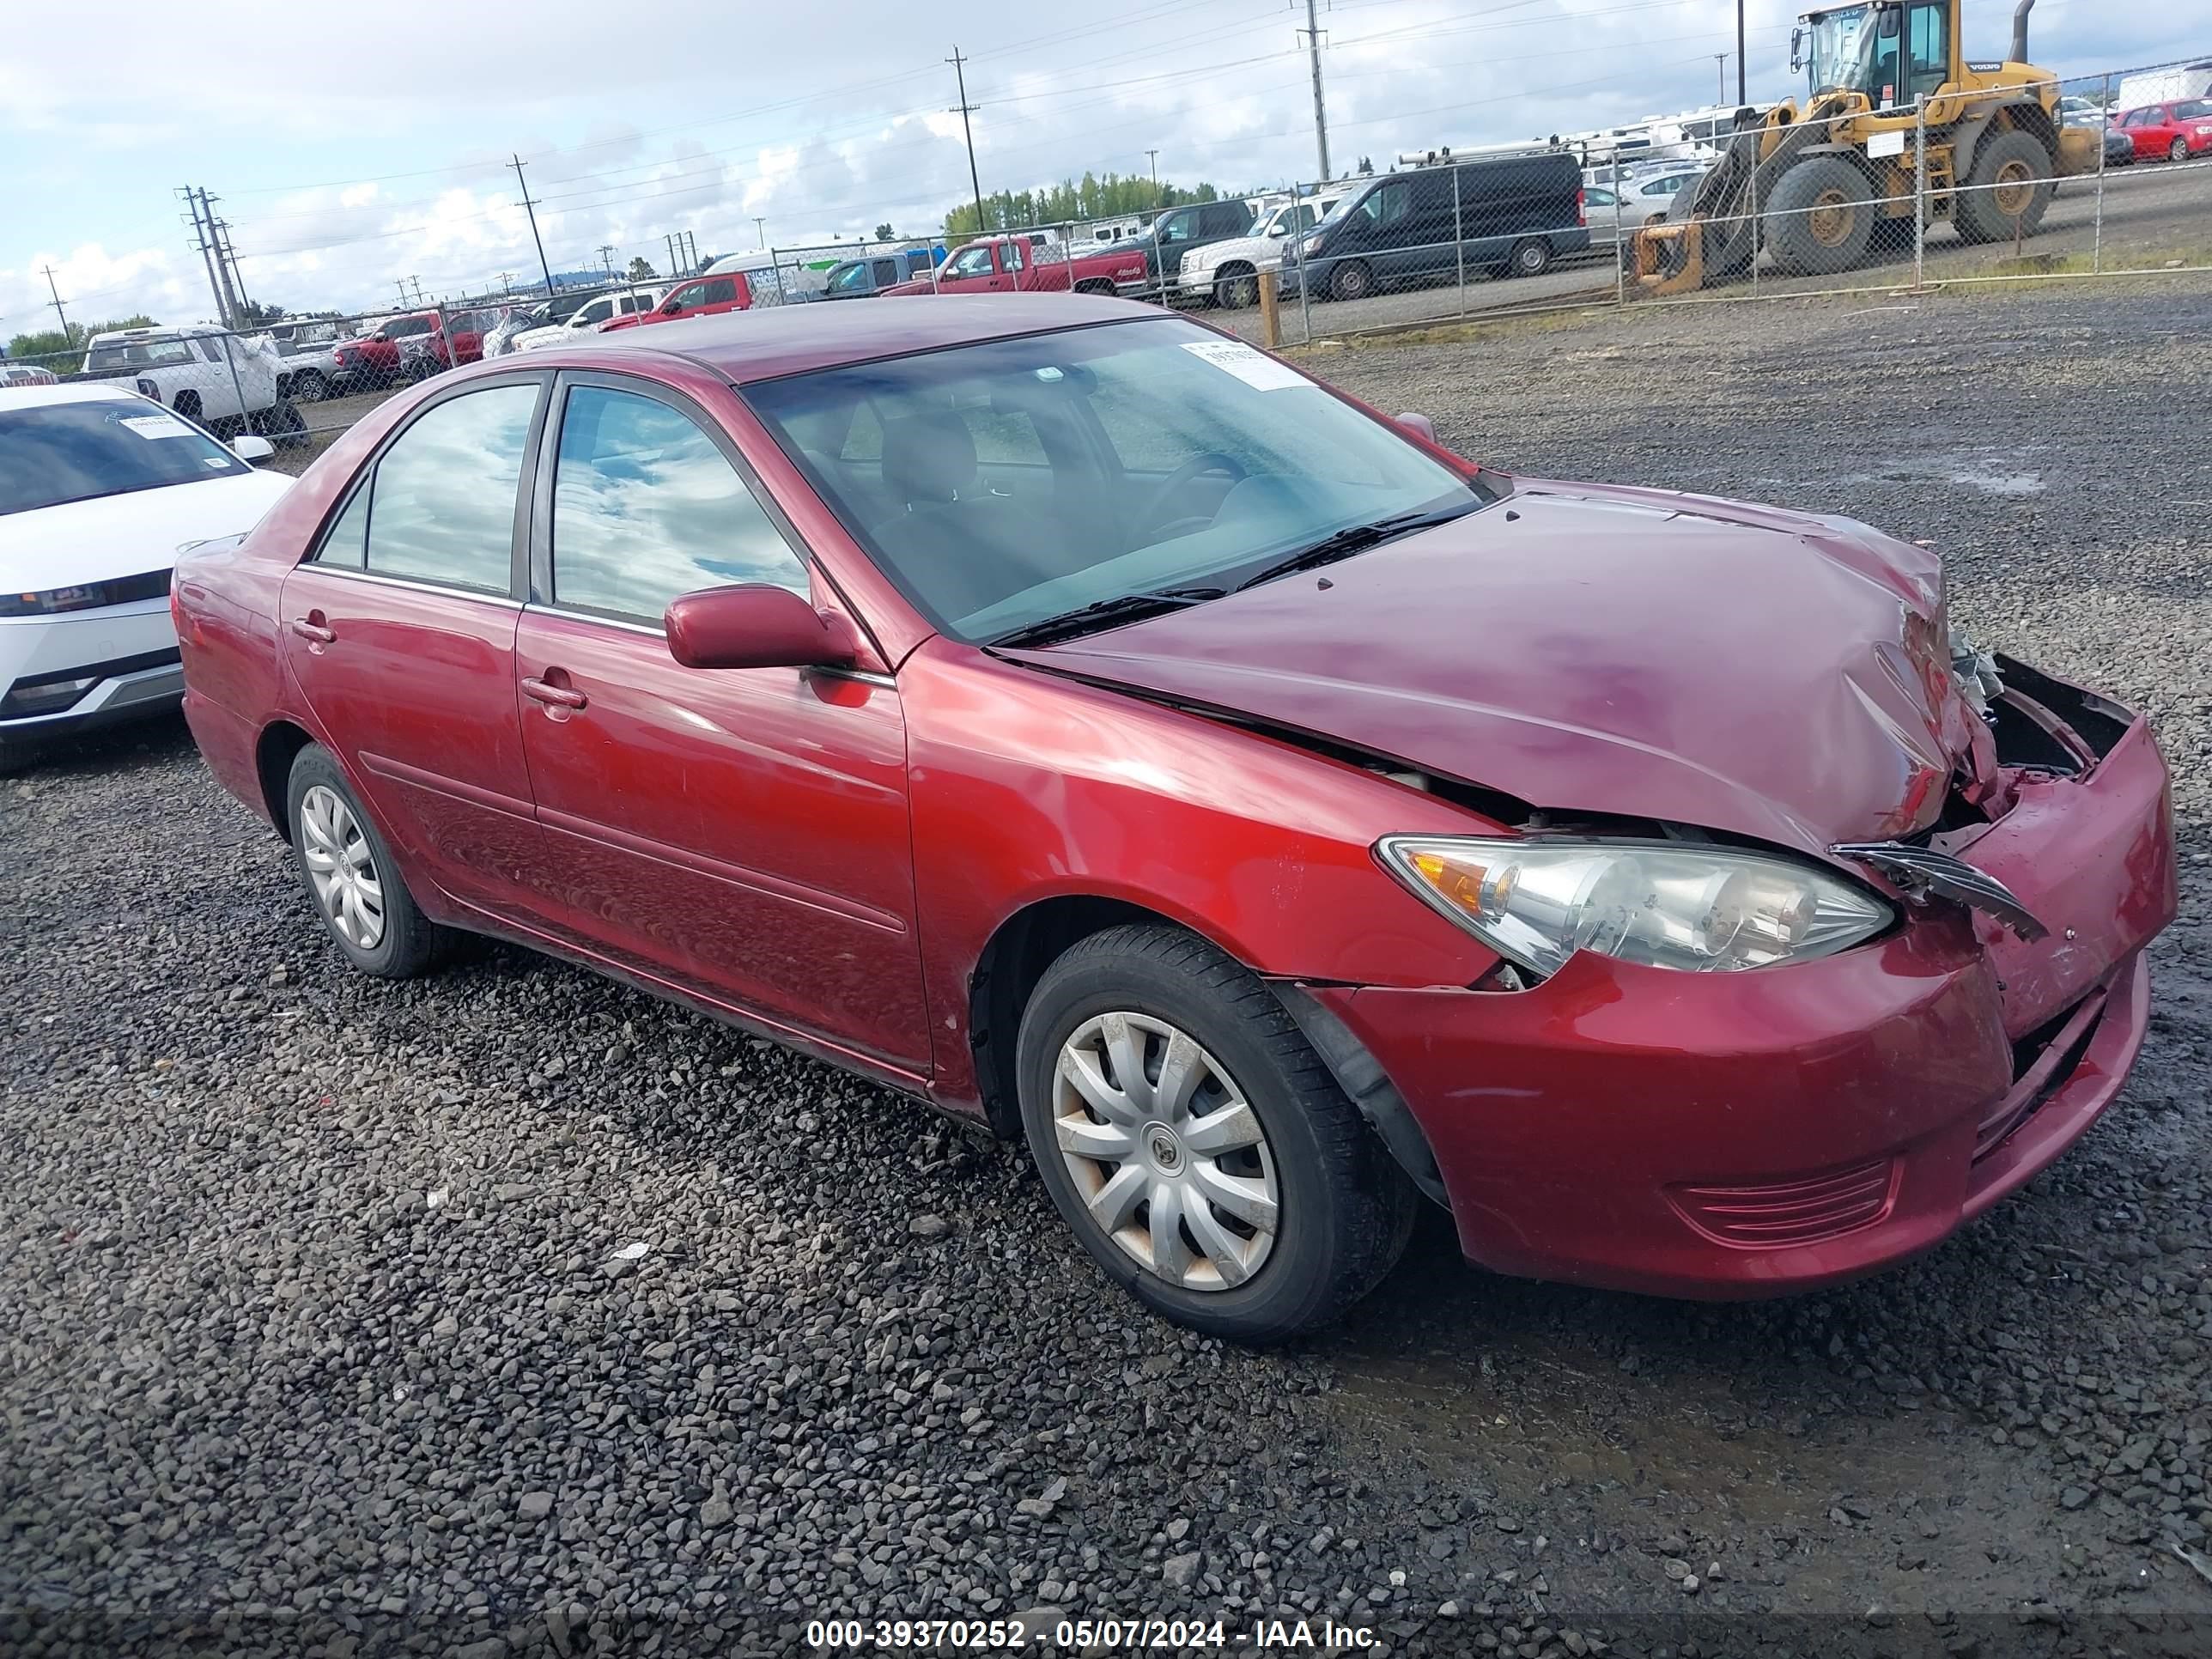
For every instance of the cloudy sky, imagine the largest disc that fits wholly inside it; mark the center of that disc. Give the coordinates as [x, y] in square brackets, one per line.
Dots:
[354, 147]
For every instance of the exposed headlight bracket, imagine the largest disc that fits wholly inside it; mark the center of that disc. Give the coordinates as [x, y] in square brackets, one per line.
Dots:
[1919, 871]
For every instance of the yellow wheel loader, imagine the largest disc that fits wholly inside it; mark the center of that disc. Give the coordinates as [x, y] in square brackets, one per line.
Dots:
[1828, 186]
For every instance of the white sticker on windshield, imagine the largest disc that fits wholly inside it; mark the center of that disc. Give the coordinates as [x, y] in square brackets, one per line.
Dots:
[156, 426]
[1255, 368]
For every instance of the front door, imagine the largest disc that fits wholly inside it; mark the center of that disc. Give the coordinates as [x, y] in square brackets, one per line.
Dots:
[971, 271]
[399, 630]
[739, 833]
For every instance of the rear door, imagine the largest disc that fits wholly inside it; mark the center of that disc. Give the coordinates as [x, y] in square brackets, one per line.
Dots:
[741, 834]
[398, 630]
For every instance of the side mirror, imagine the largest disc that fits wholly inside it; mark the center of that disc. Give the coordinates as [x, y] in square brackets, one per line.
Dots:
[251, 448]
[755, 625]
[1796, 51]
[1419, 425]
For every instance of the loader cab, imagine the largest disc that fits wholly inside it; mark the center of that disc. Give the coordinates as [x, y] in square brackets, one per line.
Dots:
[1890, 51]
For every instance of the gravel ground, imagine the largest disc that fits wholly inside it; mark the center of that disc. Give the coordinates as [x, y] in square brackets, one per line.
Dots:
[512, 1312]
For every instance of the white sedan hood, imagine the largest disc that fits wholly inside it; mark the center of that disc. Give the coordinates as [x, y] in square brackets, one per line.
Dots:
[128, 535]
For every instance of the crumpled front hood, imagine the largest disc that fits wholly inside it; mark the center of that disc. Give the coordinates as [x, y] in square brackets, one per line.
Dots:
[1594, 649]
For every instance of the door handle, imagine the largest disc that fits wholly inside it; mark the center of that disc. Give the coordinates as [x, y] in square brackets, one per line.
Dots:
[560, 696]
[308, 629]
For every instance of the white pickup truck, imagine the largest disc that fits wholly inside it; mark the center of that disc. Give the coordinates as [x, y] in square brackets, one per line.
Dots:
[228, 383]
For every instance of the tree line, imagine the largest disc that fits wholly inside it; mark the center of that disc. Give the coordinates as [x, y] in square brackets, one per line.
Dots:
[1111, 195]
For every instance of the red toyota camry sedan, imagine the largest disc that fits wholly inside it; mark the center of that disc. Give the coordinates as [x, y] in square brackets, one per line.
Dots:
[1072, 717]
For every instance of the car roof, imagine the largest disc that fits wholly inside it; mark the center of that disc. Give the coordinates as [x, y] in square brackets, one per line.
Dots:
[773, 341]
[33, 397]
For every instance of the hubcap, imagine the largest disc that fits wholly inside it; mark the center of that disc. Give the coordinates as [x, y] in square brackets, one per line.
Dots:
[2015, 184]
[1166, 1153]
[1831, 218]
[341, 868]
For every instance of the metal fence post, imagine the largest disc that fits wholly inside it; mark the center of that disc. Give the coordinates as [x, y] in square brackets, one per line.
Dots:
[1298, 256]
[1751, 206]
[1920, 189]
[1621, 248]
[1459, 239]
[2097, 232]
[230, 361]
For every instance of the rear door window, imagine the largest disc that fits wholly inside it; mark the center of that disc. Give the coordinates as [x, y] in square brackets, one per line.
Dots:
[441, 503]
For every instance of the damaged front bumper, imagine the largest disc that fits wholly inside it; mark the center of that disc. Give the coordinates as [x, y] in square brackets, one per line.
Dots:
[1744, 1135]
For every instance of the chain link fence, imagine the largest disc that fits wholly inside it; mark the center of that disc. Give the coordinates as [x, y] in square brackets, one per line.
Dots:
[2098, 175]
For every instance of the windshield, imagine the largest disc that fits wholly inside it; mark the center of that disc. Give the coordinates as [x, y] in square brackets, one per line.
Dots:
[1007, 482]
[1833, 47]
[74, 452]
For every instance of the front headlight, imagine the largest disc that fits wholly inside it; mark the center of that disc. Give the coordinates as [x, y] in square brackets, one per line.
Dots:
[1698, 908]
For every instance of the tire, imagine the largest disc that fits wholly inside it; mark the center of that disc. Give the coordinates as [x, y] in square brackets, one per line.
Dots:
[2178, 150]
[1352, 280]
[188, 405]
[1820, 217]
[2010, 179]
[405, 942]
[1236, 289]
[286, 427]
[1343, 1208]
[310, 388]
[1531, 257]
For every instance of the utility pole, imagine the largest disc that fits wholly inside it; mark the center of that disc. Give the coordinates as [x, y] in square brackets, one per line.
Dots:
[760, 228]
[507, 281]
[960, 74]
[531, 208]
[400, 283]
[1153, 155]
[207, 252]
[1312, 33]
[57, 292]
[1722, 58]
[669, 237]
[231, 314]
[607, 257]
[228, 255]
[1739, 53]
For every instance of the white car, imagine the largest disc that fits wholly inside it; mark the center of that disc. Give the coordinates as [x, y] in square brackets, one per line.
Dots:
[586, 318]
[1228, 273]
[98, 487]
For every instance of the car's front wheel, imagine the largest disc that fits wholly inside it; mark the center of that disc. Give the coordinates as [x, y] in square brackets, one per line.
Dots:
[349, 871]
[1201, 1150]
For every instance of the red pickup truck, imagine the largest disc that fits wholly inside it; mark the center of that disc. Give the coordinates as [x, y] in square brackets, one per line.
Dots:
[1015, 264]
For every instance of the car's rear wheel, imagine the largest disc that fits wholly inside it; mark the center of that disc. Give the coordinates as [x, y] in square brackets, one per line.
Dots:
[1531, 257]
[350, 875]
[1197, 1146]
[1352, 280]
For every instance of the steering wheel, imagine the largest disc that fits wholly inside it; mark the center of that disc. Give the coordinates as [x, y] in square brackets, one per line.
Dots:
[1150, 522]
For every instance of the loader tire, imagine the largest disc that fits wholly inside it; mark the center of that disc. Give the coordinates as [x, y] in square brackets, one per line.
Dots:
[2009, 180]
[1820, 217]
